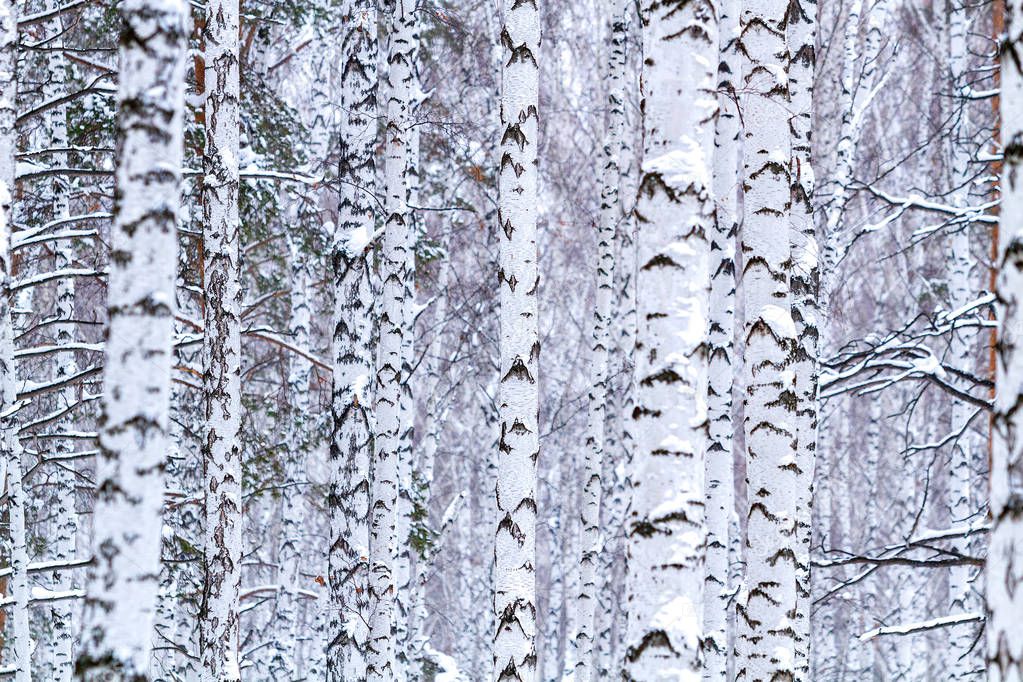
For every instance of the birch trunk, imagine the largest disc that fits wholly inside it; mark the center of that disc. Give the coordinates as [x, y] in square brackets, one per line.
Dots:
[770, 420]
[407, 493]
[384, 543]
[18, 636]
[1004, 578]
[802, 38]
[718, 468]
[61, 614]
[675, 213]
[134, 426]
[351, 443]
[961, 657]
[287, 661]
[221, 449]
[518, 396]
[591, 539]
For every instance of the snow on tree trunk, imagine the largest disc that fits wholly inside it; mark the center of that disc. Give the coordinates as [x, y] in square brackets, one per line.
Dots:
[18, 636]
[593, 464]
[221, 447]
[518, 396]
[961, 655]
[351, 442]
[718, 468]
[394, 262]
[61, 613]
[134, 426]
[802, 35]
[675, 214]
[621, 342]
[769, 602]
[1005, 549]
[286, 661]
[407, 493]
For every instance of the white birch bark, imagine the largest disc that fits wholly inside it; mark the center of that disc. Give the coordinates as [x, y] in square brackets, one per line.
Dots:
[675, 213]
[619, 392]
[18, 634]
[221, 447]
[351, 444]
[627, 270]
[718, 467]
[961, 655]
[518, 396]
[286, 661]
[394, 261]
[61, 614]
[592, 539]
[805, 277]
[766, 629]
[407, 493]
[134, 426]
[1004, 575]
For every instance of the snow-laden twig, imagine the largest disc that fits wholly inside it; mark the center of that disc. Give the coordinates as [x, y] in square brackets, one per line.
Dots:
[922, 626]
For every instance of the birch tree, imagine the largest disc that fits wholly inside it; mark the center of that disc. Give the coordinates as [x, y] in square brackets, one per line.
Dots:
[1004, 596]
[351, 443]
[394, 263]
[675, 212]
[61, 613]
[720, 490]
[766, 633]
[17, 549]
[805, 276]
[222, 455]
[593, 461]
[134, 434]
[519, 368]
[960, 266]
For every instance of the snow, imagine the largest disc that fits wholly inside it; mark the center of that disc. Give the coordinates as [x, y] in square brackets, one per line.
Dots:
[779, 320]
[449, 671]
[929, 365]
[780, 74]
[680, 618]
[681, 167]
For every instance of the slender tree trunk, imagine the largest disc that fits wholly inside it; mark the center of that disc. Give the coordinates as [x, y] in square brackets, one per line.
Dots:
[718, 467]
[384, 543]
[961, 655]
[593, 465]
[18, 637]
[222, 455]
[770, 420]
[518, 399]
[675, 212]
[802, 37]
[351, 444]
[407, 486]
[134, 432]
[61, 614]
[1004, 579]
[287, 661]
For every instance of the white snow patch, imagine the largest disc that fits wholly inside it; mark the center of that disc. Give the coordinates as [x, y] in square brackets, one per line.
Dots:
[779, 320]
[681, 167]
[929, 365]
